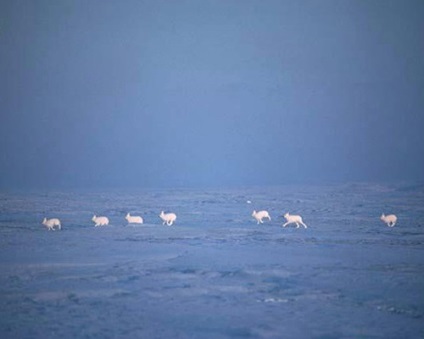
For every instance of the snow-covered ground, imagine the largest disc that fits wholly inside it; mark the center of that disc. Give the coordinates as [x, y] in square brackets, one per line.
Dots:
[215, 273]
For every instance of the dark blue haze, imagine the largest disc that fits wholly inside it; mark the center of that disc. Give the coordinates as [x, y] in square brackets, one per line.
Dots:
[210, 93]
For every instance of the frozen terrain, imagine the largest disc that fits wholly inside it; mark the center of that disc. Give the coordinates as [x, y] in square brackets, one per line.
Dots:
[215, 273]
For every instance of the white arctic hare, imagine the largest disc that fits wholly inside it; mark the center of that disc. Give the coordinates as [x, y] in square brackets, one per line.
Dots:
[168, 218]
[100, 221]
[294, 219]
[134, 219]
[390, 219]
[260, 215]
[51, 223]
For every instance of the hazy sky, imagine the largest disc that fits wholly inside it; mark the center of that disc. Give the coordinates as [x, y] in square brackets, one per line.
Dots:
[210, 93]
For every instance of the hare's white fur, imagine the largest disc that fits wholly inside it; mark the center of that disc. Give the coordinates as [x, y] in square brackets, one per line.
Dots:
[100, 221]
[390, 219]
[51, 223]
[294, 219]
[260, 215]
[134, 219]
[168, 218]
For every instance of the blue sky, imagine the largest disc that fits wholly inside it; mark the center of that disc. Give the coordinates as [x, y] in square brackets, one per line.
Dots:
[210, 93]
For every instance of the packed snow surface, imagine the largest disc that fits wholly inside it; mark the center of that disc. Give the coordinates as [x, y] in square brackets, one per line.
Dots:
[215, 273]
